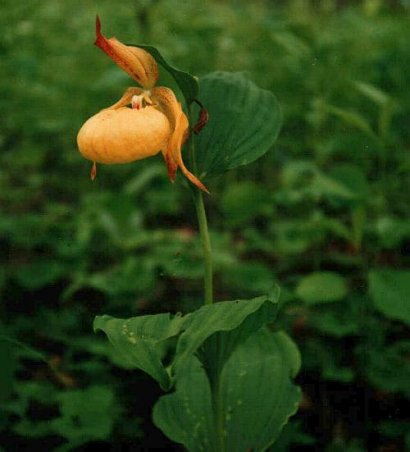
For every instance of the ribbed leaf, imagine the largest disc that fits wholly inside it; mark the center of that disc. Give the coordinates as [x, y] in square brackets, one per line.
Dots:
[186, 416]
[257, 392]
[257, 397]
[139, 341]
[244, 122]
[217, 329]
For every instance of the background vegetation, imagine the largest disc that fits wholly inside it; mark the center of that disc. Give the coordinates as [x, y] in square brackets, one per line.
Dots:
[325, 214]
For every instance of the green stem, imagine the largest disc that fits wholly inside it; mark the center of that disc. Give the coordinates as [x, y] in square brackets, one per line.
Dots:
[203, 228]
[218, 415]
[206, 245]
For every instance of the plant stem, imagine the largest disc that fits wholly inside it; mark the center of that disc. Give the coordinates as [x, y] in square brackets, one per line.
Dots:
[218, 414]
[206, 245]
[203, 228]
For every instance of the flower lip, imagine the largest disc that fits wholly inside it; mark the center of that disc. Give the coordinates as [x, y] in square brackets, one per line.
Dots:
[123, 135]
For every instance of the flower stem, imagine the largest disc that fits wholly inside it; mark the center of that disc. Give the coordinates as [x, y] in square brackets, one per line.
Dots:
[203, 228]
[206, 245]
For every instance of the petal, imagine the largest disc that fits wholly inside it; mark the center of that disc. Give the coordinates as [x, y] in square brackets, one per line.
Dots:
[126, 98]
[123, 135]
[169, 105]
[203, 118]
[136, 62]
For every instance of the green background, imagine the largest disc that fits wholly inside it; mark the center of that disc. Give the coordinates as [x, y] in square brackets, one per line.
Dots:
[325, 215]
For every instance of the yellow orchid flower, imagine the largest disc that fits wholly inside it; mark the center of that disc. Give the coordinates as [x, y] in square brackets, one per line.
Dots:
[144, 122]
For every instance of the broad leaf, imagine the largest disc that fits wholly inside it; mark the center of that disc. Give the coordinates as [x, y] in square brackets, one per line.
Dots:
[257, 391]
[140, 341]
[244, 122]
[257, 397]
[186, 82]
[322, 287]
[390, 291]
[221, 326]
[186, 416]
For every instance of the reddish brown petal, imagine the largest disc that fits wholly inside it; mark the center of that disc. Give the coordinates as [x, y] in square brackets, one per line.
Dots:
[136, 62]
[203, 118]
[93, 173]
[171, 166]
[169, 105]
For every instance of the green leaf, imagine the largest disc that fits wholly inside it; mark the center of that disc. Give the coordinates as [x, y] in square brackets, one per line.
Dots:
[188, 84]
[257, 397]
[321, 287]
[257, 392]
[140, 341]
[186, 416]
[390, 291]
[222, 318]
[244, 122]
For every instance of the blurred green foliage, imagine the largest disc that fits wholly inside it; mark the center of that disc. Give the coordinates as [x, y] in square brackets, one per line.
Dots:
[325, 214]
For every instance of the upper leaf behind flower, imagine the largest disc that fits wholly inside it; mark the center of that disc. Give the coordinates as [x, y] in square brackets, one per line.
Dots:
[187, 83]
[244, 122]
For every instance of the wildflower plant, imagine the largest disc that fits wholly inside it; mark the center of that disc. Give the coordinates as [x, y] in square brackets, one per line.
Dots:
[227, 372]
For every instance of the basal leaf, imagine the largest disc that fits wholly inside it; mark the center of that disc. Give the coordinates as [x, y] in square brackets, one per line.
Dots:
[222, 320]
[139, 341]
[186, 416]
[244, 122]
[257, 397]
[257, 392]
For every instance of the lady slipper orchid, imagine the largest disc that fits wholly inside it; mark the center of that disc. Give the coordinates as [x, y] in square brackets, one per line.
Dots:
[144, 122]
